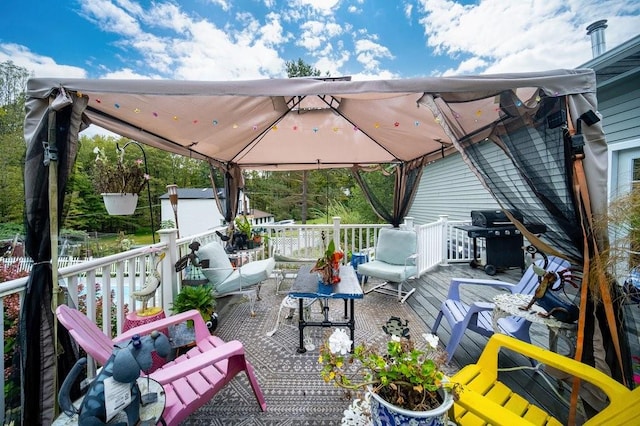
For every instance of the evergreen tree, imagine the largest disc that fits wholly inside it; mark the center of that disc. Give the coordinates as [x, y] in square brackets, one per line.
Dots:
[13, 81]
[302, 69]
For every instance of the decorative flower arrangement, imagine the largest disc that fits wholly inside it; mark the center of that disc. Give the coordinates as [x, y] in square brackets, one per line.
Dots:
[118, 176]
[400, 374]
[328, 266]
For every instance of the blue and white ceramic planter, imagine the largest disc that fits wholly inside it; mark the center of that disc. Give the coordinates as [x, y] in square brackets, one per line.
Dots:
[384, 414]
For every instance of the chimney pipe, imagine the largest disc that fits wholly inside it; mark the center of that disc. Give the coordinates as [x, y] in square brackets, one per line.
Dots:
[598, 43]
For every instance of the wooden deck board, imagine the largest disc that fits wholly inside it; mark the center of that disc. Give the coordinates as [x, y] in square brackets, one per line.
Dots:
[431, 290]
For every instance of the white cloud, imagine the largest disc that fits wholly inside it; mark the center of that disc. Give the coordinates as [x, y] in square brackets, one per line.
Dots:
[219, 40]
[291, 14]
[621, 28]
[195, 48]
[333, 63]
[224, 5]
[408, 11]
[127, 22]
[497, 36]
[131, 6]
[316, 33]
[213, 54]
[368, 54]
[470, 66]
[324, 7]
[40, 66]
[166, 15]
[272, 32]
[128, 74]
[109, 17]
[94, 130]
[379, 75]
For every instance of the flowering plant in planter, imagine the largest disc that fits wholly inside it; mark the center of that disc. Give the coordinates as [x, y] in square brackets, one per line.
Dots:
[400, 373]
[118, 176]
[328, 265]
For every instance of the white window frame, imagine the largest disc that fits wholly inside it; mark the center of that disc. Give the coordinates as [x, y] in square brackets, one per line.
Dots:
[614, 151]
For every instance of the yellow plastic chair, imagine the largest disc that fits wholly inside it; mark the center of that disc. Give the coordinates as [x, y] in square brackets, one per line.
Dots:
[485, 400]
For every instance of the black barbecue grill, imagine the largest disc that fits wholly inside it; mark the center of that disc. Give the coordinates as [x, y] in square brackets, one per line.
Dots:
[503, 240]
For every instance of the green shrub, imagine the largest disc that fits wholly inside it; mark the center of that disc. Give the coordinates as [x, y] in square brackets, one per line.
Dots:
[199, 297]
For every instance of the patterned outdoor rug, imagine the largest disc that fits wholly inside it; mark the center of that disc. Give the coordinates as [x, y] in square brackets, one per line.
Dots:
[291, 382]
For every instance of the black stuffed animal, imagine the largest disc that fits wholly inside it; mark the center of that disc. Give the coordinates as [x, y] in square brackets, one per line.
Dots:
[124, 366]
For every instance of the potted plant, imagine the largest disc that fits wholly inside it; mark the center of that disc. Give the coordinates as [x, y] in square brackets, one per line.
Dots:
[406, 384]
[199, 297]
[257, 237]
[118, 181]
[243, 227]
[328, 266]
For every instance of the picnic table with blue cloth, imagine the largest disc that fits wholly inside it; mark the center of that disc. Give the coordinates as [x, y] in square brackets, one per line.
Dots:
[306, 285]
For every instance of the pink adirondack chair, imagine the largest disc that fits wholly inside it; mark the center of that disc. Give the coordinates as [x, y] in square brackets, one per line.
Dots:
[191, 380]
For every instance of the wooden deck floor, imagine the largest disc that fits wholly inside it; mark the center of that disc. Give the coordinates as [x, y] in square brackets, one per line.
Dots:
[431, 290]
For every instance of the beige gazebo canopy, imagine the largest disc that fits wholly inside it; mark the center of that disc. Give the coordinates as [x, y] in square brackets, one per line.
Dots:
[301, 123]
[315, 123]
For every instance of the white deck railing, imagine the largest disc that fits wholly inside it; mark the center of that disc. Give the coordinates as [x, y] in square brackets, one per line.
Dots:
[87, 284]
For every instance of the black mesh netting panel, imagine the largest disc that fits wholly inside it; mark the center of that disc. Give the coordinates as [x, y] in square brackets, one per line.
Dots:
[531, 172]
[402, 182]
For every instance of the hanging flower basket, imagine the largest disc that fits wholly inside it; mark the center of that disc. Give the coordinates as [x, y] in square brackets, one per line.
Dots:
[120, 204]
[119, 181]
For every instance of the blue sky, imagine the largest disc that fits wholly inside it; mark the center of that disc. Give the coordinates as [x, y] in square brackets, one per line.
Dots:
[248, 39]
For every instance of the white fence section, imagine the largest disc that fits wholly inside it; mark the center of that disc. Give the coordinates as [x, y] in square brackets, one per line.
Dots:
[459, 247]
[25, 263]
[431, 247]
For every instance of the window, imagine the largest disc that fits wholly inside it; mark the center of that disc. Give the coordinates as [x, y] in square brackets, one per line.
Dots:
[635, 175]
[634, 259]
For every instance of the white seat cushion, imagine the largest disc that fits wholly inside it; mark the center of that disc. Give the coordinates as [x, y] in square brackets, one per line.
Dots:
[220, 266]
[246, 276]
[387, 271]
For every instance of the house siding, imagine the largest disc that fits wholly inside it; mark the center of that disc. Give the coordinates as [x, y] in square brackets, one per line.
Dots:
[448, 187]
[619, 104]
[620, 107]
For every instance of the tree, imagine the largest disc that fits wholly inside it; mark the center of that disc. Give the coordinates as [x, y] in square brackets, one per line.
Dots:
[302, 69]
[13, 83]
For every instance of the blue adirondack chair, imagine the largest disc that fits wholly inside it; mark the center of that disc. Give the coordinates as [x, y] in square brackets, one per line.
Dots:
[477, 316]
